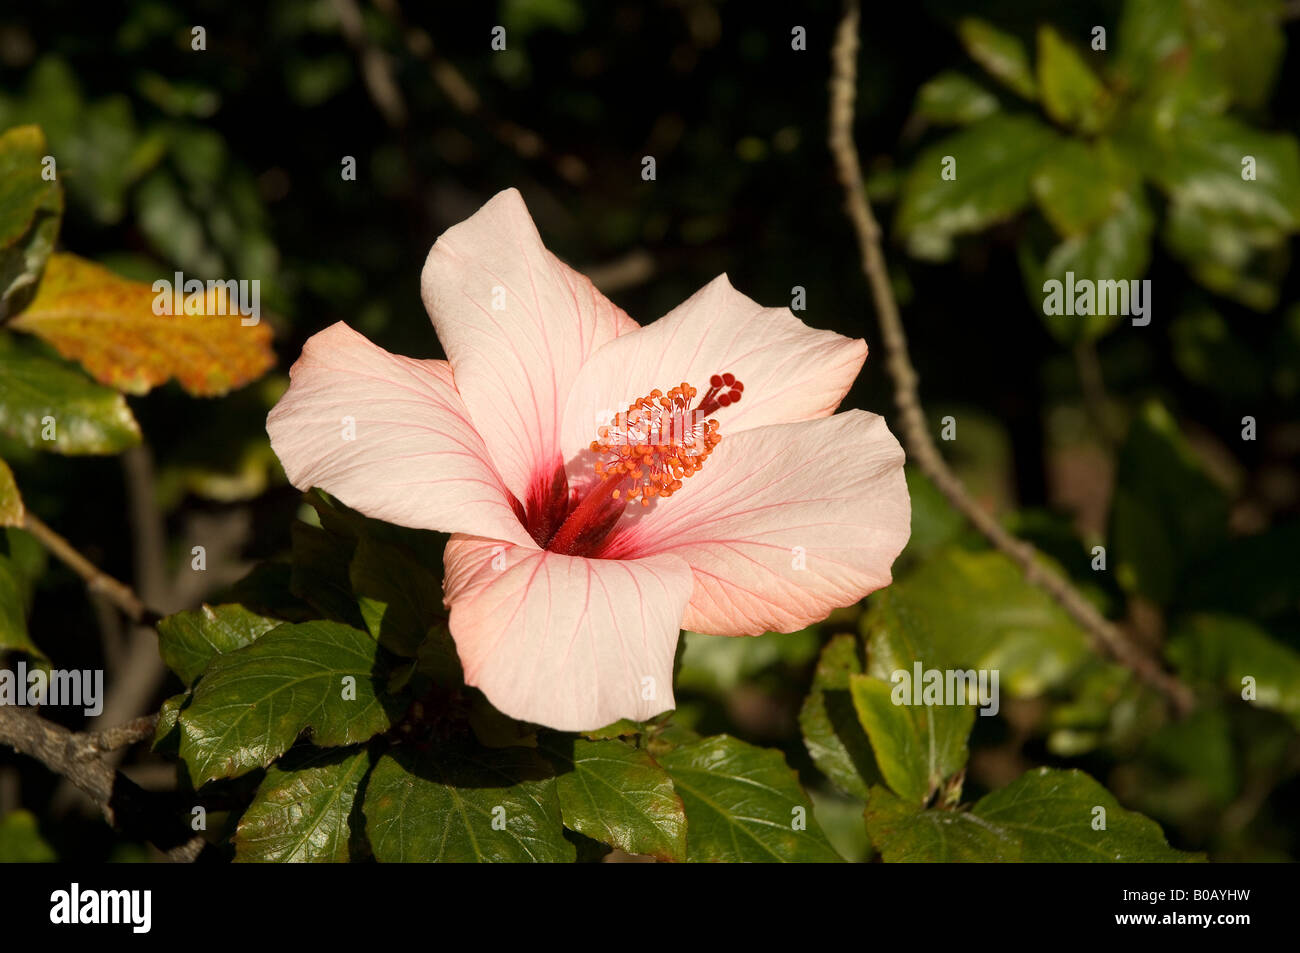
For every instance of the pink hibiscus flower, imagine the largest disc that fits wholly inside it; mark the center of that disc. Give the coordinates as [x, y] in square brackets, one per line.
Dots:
[605, 484]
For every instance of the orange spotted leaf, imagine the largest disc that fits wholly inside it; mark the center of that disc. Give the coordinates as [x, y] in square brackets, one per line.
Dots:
[108, 324]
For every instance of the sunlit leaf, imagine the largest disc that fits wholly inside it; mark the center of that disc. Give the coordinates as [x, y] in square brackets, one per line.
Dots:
[50, 406]
[109, 325]
[251, 704]
[743, 804]
[615, 793]
[1002, 54]
[301, 810]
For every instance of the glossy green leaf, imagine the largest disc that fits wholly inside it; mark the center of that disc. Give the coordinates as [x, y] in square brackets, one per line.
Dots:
[953, 99]
[461, 805]
[301, 811]
[905, 833]
[615, 793]
[1053, 814]
[251, 704]
[831, 730]
[1239, 658]
[166, 733]
[52, 406]
[1002, 54]
[190, 640]
[1044, 816]
[995, 160]
[743, 804]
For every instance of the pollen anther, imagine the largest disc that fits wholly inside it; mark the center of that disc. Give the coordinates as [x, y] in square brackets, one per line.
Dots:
[660, 440]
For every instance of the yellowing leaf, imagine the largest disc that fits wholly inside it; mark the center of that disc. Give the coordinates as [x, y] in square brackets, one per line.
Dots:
[108, 324]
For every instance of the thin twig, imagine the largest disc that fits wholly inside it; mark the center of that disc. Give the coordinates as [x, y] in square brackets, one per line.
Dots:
[119, 593]
[916, 434]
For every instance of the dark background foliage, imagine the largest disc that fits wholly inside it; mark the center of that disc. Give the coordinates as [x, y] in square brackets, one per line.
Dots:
[226, 162]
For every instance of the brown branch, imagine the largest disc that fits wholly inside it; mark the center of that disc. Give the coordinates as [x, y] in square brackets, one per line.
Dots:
[80, 759]
[916, 434]
[98, 581]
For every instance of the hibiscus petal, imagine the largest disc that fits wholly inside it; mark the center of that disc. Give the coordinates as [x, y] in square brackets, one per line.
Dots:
[413, 457]
[562, 641]
[782, 524]
[516, 323]
[791, 372]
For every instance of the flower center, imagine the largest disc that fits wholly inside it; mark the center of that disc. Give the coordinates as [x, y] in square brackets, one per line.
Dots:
[646, 452]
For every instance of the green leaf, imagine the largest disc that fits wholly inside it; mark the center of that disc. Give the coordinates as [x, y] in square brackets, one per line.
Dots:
[1238, 658]
[11, 502]
[1100, 210]
[1052, 814]
[464, 805]
[974, 610]
[1201, 164]
[21, 841]
[31, 208]
[301, 810]
[1071, 93]
[1079, 185]
[904, 833]
[918, 747]
[615, 793]
[1043, 816]
[1241, 260]
[167, 734]
[22, 187]
[399, 598]
[14, 604]
[1166, 512]
[251, 704]
[743, 804]
[190, 640]
[1002, 54]
[995, 159]
[831, 730]
[1230, 229]
[1244, 43]
[41, 397]
[953, 99]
